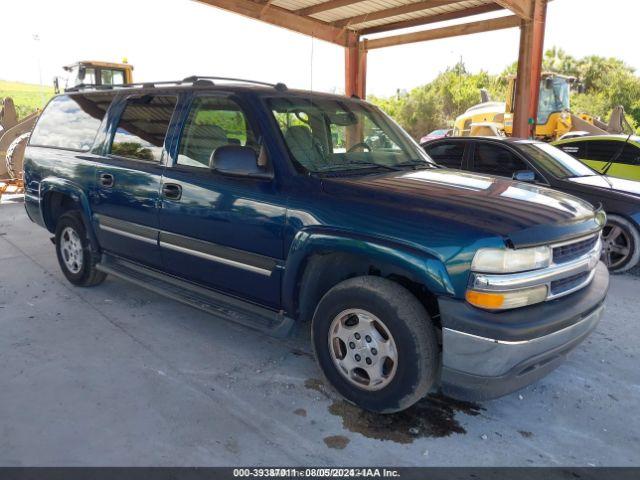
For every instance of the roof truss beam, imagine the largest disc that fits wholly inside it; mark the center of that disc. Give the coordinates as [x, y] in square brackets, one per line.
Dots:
[522, 8]
[415, 22]
[445, 32]
[324, 6]
[392, 12]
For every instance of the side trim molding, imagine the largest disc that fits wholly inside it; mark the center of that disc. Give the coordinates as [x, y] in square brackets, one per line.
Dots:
[242, 259]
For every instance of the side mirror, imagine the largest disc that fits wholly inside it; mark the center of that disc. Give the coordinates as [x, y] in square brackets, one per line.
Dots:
[525, 176]
[238, 161]
[548, 83]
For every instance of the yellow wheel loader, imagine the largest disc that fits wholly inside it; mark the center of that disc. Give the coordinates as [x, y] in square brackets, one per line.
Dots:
[14, 132]
[554, 113]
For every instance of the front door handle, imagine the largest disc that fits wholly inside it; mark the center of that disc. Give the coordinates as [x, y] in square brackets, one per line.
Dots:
[106, 180]
[172, 191]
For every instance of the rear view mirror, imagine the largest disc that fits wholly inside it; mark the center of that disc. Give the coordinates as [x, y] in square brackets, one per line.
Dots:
[238, 161]
[343, 118]
[525, 176]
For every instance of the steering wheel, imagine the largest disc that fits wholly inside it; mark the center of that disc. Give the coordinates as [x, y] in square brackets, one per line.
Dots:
[359, 145]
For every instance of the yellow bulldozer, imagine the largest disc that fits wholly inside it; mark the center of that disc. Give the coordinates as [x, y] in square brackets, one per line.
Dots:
[14, 132]
[554, 113]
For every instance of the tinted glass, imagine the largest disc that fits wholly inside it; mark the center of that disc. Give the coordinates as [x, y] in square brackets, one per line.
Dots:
[630, 155]
[213, 122]
[555, 161]
[71, 121]
[602, 151]
[326, 134]
[142, 128]
[447, 154]
[497, 160]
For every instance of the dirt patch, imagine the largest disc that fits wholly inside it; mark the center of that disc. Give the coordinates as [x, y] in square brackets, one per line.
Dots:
[525, 433]
[315, 384]
[301, 412]
[432, 417]
[339, 442]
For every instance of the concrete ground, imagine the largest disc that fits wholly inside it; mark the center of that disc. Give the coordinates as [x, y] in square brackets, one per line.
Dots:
[115, 375]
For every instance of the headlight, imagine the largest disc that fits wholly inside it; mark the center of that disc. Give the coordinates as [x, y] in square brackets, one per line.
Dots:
[508, 299]
[497, 260]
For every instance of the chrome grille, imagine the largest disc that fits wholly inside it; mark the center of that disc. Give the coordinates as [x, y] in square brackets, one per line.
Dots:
[565, 285]
[570, 251]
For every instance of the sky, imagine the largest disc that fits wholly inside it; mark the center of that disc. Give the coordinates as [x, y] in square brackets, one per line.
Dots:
[173, 39]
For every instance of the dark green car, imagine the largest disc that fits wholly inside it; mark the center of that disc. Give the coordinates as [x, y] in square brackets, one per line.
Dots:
[619, 155]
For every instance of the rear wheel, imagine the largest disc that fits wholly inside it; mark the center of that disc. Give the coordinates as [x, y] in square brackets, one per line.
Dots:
[375, 343]
[621, 244]
[77, 260]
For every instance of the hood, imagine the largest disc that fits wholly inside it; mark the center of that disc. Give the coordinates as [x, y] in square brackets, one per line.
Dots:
[521, 213]
[609, 183]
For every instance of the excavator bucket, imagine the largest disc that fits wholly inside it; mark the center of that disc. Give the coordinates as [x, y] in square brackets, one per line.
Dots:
[11, 159]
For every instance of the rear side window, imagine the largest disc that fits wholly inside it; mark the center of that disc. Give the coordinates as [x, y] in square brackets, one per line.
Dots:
[213, 122]
[71, 121]
[449, 155]
[497, 160]
[143, 127]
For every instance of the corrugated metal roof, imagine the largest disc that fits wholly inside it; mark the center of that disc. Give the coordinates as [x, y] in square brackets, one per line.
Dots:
[374, 7]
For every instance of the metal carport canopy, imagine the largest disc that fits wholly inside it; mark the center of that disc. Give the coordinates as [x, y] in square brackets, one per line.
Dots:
[346, 22]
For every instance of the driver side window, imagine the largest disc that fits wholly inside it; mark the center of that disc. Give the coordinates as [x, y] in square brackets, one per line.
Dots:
[213, 122]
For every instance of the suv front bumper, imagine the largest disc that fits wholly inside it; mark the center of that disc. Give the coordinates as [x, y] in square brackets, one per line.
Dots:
[490, 354]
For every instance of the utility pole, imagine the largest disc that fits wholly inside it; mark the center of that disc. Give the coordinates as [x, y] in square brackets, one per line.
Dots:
[36, 39]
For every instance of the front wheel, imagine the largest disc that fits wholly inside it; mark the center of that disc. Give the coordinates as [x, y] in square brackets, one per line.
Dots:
[375, 343]
[621, 244]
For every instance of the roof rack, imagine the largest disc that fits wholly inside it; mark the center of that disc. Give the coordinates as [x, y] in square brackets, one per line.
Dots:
[195, 80]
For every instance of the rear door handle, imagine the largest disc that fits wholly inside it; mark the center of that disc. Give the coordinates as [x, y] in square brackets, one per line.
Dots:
[106, 180]
[172, 191]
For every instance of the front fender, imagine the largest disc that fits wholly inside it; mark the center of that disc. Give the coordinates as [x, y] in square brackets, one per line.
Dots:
[418, 265]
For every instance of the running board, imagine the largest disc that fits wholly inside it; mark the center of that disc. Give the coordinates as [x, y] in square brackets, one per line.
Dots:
[215, 303]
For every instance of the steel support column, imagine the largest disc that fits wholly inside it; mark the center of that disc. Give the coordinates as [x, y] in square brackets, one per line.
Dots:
[529, 70]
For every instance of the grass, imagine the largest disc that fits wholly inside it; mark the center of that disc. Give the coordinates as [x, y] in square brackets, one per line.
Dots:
[26, 97]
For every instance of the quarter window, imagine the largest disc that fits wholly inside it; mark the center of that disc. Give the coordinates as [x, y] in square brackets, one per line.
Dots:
[497, 160]
[447, 154]
[143, 127]
[71, 121]
[213, 122]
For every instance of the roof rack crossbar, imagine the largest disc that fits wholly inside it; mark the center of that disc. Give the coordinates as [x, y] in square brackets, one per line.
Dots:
[194, 80]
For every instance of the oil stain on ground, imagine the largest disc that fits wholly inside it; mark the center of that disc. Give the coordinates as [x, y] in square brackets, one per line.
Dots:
[432, 417]
[339, 442]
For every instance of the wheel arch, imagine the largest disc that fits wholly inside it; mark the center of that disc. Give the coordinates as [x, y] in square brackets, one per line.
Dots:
[318, 260]
[58, 196]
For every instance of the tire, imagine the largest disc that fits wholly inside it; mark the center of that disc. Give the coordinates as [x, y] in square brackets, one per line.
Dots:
[76, 259]
[620, 235]
[406, 322]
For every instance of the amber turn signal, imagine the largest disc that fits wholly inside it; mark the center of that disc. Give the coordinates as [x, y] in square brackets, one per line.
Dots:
[486, 300]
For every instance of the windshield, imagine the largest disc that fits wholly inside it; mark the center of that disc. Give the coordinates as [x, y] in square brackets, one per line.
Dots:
[335, 135]
[555, 161]
[554, 99]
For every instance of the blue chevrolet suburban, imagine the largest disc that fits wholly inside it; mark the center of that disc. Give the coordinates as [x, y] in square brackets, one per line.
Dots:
[272, 208]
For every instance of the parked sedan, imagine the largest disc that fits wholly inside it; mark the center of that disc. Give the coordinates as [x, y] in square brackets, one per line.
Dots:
[544, 164]
[440, 133]
[615, 155]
